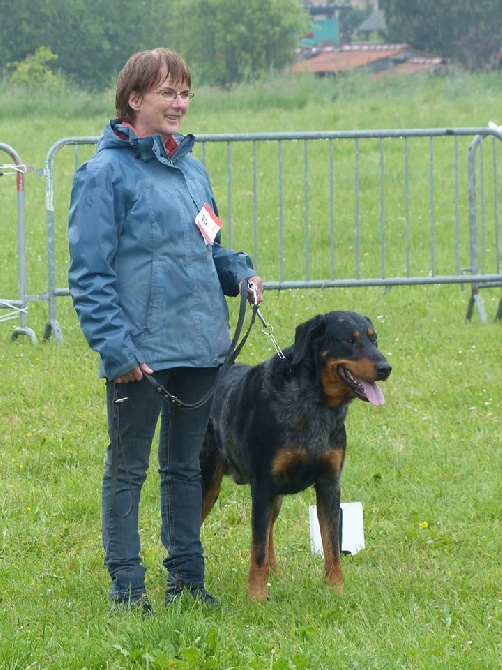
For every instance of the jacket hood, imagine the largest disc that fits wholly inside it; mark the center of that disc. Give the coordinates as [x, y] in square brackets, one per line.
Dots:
[118, 136]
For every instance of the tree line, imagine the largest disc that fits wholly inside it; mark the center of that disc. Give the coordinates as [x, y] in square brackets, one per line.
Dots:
[86, 42]
[467, 31]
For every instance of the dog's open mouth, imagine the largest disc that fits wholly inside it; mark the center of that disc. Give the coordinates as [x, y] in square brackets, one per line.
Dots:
[367, 391]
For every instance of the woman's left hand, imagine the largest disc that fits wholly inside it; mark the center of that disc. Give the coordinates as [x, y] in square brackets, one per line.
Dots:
[255, 292]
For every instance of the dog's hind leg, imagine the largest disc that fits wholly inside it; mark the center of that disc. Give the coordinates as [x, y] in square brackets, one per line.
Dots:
[212, 467]
[272, 558]
[211, 489]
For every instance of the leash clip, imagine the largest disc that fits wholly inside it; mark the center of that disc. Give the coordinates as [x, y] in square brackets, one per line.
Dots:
[267, 329]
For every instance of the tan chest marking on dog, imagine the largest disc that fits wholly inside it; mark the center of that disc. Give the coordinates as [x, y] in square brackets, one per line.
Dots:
[288, 458]
[333, 460]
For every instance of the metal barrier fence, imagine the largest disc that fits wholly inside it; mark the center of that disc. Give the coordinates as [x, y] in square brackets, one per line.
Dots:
[17, 307]
[343, 209]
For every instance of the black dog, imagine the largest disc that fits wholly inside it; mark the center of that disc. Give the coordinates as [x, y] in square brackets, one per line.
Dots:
[280, 426]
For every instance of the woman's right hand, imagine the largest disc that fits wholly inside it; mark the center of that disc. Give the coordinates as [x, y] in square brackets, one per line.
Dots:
[134, 375]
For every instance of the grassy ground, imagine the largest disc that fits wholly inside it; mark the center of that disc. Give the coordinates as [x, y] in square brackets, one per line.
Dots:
[425, 593]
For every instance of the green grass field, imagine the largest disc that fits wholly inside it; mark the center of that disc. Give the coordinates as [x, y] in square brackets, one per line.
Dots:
[424, 593]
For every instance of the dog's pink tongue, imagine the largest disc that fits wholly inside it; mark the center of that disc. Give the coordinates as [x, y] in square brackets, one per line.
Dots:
[373, 393]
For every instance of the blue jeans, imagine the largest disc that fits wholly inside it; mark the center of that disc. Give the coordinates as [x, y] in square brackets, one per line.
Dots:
[131, 427]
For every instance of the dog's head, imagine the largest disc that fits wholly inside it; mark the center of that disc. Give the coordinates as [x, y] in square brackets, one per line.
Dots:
[340, 350]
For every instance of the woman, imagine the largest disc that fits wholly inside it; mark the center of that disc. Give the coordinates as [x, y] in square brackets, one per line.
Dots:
[148, 281]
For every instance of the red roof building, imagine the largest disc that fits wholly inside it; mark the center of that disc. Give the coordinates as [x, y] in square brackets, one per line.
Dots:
[376, 58]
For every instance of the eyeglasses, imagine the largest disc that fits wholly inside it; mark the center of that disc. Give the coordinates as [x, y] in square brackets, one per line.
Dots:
[170, 95]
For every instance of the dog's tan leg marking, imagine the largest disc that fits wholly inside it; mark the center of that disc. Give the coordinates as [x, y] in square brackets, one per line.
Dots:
[211, 495]
[332, 566]
[272, 558]
[258, 576]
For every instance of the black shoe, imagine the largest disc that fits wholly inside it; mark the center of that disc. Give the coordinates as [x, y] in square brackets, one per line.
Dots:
[198, 593]
[141, 604]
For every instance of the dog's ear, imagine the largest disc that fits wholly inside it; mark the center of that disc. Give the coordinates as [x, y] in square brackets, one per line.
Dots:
[304, 334]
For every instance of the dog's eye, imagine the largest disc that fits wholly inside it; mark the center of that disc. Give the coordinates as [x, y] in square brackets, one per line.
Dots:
[351, 341]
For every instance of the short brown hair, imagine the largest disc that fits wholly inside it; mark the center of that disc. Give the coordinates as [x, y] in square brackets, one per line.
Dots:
[143, 71]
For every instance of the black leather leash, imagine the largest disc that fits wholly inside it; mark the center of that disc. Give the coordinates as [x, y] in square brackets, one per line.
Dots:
[230, 357]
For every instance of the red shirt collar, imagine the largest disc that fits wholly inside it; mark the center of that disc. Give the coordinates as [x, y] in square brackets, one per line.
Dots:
[171, 145]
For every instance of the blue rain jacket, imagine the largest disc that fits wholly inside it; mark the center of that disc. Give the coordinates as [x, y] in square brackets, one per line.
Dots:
[145, 285]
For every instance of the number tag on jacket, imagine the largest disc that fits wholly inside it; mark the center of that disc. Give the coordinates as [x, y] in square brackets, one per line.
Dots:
[208, 223]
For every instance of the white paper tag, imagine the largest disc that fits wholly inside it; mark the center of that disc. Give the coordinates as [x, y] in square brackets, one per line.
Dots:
[352, 529]
[208, 223]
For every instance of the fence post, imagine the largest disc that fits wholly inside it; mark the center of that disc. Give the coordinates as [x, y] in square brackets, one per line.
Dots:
[475, 298]
[20, 305]
[52, 326]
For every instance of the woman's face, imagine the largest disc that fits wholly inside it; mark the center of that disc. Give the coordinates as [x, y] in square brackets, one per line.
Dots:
[159, 111]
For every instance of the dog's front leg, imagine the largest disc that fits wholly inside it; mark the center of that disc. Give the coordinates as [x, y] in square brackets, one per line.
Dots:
[328, 514]
[272, 557]
[262, 516]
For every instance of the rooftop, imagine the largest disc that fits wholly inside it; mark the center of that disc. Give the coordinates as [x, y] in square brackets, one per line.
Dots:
[332, 59]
